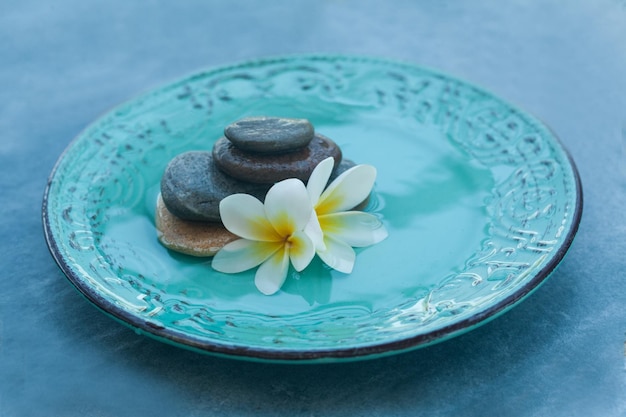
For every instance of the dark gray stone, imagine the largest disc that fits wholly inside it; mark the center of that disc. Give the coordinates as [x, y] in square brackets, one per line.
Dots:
[270, 168]
[192, 187]
[269, 134]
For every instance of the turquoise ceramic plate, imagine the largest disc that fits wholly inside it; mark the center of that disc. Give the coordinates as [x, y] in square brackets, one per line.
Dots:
[480, 200]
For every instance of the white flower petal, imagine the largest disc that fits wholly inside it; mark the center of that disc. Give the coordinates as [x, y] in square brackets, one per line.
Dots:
[301, 250]
[242, 254]
[288, 207]
[337, 255]
[355, 228]
[272, 273]
[347, 190]
[244, 216]
[314, 231]
[319, 178]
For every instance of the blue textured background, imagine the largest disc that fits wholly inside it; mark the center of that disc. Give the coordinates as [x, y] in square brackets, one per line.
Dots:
[559, 353]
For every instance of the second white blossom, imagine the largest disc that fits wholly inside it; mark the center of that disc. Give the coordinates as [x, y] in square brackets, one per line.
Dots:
[342, 230]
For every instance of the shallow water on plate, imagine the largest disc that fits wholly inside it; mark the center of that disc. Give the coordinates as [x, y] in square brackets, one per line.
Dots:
[428, 194]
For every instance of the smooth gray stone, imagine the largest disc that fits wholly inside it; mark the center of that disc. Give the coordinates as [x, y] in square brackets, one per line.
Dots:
[269, 134]
[192, 187]
[270, 168]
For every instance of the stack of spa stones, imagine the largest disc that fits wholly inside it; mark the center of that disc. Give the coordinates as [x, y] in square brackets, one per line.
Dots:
[255, 153]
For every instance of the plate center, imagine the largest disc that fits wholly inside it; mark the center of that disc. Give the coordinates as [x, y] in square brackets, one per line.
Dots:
[429, 194]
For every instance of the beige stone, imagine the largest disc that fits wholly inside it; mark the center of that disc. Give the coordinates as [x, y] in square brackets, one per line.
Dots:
[200, 239]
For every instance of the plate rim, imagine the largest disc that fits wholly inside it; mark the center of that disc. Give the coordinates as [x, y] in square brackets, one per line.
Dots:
[189, 341]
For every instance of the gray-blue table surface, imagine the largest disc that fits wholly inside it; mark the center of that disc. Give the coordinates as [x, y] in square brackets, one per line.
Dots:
[558, 353]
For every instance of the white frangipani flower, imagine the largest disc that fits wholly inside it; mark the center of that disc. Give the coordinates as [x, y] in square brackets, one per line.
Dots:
[342, 229]
[296, 222]
[272, 234]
